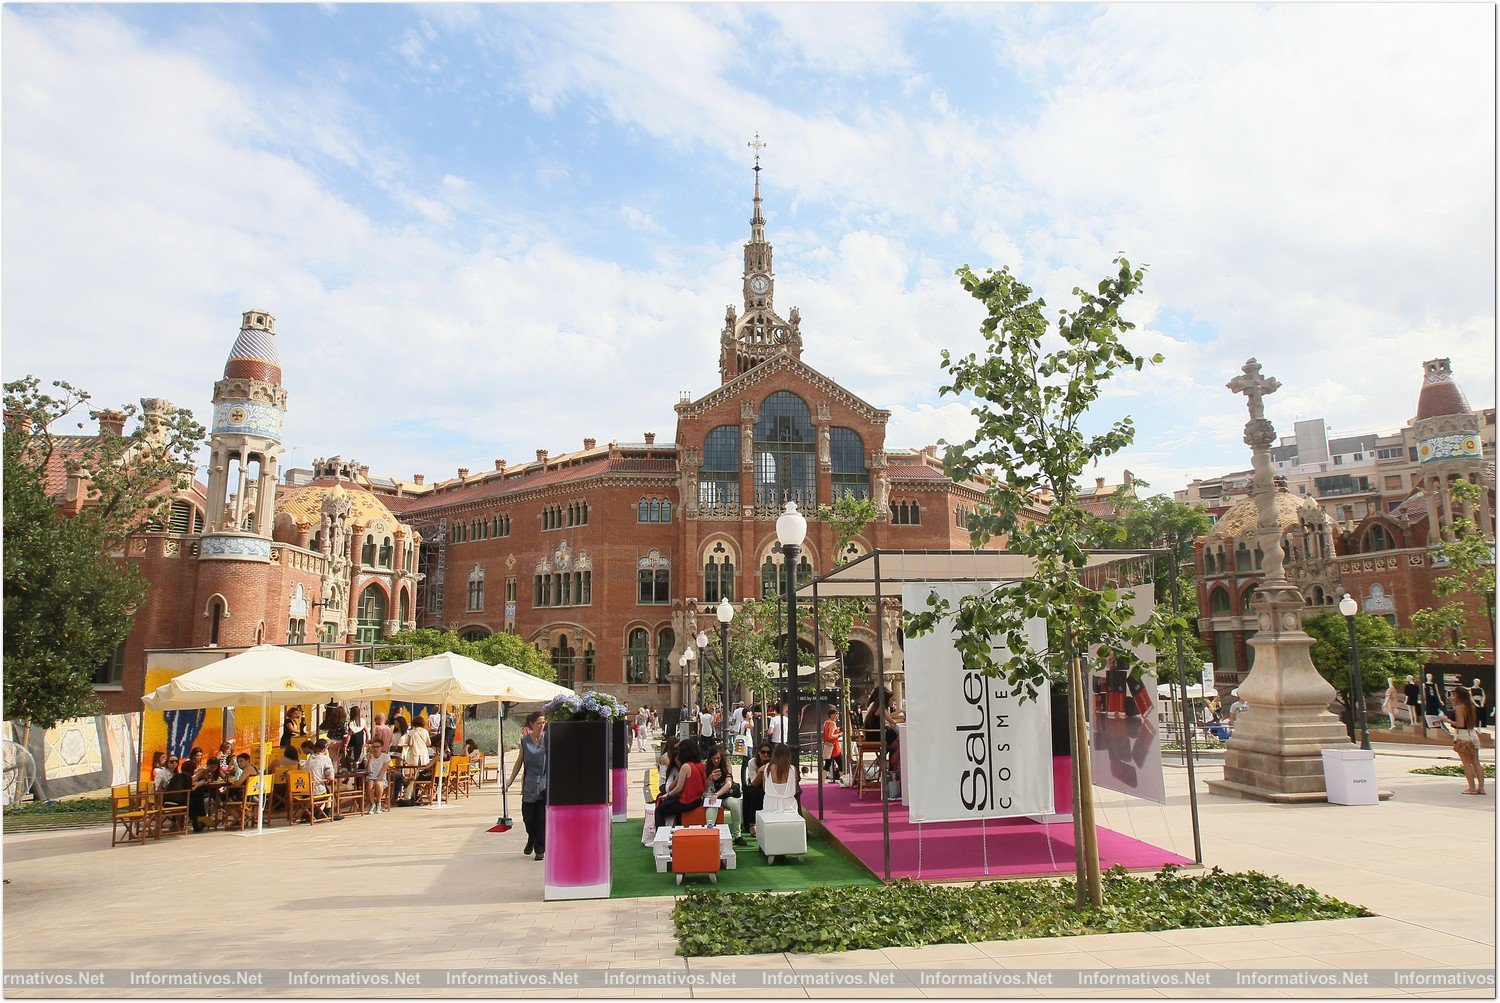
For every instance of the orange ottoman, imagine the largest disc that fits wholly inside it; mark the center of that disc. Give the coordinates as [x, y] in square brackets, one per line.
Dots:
[695, 851]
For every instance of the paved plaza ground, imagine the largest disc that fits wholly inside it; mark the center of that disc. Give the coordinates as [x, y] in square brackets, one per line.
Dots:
[428, 889]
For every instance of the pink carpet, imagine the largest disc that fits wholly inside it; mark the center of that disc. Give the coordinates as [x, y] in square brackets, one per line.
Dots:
[947, 851]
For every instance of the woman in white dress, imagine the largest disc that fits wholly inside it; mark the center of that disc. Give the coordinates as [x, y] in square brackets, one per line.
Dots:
[781, 782]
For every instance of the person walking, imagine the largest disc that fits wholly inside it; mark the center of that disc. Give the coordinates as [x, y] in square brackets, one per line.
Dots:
[533, 760]
[832, 749]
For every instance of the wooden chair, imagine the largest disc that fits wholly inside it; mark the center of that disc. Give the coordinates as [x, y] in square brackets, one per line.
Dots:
[171, 819]
[476, 769]
[488, 769]
[460, 784]
[242, 813]
[348, 790]
[302, 801]
[862, 778]
[133, 816]
[421, 788]
[277, 788]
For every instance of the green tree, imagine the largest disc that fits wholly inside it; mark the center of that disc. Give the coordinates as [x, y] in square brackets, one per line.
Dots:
[496, 649]
[1154, 522]
[1030, 405]
[1470, 560]
[68, 603]
[1378, 659]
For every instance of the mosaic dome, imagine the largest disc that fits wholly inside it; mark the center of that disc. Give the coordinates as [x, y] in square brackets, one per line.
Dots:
[305, 505]
[1245, 516]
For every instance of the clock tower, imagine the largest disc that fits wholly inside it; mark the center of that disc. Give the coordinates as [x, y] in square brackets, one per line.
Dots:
[759, 334]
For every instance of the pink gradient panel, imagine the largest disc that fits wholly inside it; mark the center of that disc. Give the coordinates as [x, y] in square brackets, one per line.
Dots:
[621, 791]
[577, 845]
[1062, 784]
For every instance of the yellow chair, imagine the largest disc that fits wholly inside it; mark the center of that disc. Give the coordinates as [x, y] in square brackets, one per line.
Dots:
[461, 783]
[652, 783]
[302, 800]
[422, 788]
[242, 812]
[133, 817]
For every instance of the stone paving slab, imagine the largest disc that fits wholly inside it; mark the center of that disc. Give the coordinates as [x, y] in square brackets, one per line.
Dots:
[426, 889]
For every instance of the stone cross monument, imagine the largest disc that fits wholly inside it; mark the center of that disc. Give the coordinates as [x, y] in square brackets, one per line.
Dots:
[1276, 750]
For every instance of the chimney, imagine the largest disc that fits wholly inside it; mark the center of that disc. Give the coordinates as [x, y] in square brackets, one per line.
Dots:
[463, 473]
[650, 438]
[1098, 484]
[541, 456]
[590, 443]
[112, 422]
[500, 465]
[418, 478]
[364, 470]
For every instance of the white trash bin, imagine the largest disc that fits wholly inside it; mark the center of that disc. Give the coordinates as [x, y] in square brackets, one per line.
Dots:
[1350, 776]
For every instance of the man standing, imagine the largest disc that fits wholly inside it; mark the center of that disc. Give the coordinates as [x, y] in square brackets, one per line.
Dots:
[382, 733]
[776, 724]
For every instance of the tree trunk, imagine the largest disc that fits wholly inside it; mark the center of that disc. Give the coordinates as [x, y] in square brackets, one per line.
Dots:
[1090, 887]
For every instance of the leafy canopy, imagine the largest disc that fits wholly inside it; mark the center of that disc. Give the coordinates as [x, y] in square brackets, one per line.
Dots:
[496, 649]
[68, 603]
[1377, 662]
[1032, 391]
[1470, 560]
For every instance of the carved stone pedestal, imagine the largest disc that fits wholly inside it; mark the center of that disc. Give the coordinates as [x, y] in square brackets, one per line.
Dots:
[1276, 752]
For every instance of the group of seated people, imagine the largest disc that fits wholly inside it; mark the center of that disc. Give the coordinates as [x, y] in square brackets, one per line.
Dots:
[206, 785]
[695, 770]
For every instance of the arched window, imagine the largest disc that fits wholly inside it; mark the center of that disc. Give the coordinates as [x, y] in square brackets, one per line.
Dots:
[473, 634]
[1218, 601]
[638, 656]
[367, 555]
[847, 452]
[370, 627]
[476, 590]
[589, 663]
[666, 640]
[906, 513]
[719, 477]
[643, 510]
[773, 571]
[1241, 557]
[386, 550]
[785, 460]
[654, 579]
[563, 657]
[1378, 538]
[1247, 600]
[215, 620]
[404, 605]
[718, 574]
[184, 518]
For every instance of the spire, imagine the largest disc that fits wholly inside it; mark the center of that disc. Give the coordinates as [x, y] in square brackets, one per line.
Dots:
[757, 221]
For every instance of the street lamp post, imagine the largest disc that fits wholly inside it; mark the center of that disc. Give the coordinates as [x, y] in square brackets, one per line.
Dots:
[702, 642]
[791, 530]
[725, 613]
[687, 687]
[1349, 607]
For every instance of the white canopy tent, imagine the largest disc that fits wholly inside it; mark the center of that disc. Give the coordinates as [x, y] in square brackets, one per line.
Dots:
[449, 678]
[267, 675]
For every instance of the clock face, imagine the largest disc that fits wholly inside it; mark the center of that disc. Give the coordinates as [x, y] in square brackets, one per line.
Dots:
[759, 284]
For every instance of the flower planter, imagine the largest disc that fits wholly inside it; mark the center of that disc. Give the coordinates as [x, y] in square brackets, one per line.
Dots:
[578, 814]
[619, 758]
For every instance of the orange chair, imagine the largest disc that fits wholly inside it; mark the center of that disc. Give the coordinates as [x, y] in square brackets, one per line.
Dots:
[695, 851]
[694, 816]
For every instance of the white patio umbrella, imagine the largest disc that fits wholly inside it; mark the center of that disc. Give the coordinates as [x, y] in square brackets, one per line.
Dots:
[449, 678]
[259, 674]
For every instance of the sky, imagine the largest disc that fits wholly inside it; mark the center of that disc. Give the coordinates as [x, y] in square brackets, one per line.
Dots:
[488, 230]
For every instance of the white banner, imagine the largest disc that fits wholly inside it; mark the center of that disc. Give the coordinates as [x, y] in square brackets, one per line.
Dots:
[976, 749]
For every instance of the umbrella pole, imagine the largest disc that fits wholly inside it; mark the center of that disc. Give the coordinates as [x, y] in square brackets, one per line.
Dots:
[441, 771]
[503, 823]
[265, 790]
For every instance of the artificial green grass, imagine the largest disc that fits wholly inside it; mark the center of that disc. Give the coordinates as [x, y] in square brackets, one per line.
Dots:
[910, 913]
[635, 873]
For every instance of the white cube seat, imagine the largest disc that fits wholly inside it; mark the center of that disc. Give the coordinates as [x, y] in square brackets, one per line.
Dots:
[781, 833]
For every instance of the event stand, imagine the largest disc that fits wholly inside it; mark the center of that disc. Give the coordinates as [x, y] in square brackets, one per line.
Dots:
[578, 812]
[619, 769]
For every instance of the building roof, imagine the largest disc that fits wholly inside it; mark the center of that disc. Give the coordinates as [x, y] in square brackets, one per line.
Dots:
[1246, 515]
[1440, 394]
[493, 487]
[305, 504]
[64, 448]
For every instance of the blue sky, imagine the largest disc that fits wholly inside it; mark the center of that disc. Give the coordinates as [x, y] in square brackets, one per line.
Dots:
[486, 230]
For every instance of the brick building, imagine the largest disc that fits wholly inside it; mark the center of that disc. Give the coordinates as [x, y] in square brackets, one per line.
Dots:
[602, 556]
[1387, 559]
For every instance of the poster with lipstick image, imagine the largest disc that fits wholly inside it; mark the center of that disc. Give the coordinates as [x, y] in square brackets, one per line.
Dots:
[1123, 731]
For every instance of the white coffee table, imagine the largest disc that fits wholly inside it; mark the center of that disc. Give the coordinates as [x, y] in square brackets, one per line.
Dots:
[661, 848]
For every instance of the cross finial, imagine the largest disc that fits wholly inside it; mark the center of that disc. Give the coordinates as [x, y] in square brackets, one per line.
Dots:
[756, 145]
[1254, 386]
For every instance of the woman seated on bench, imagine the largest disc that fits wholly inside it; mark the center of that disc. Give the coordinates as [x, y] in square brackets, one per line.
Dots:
[686, 790]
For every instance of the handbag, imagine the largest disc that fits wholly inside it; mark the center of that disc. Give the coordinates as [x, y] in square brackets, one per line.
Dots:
[735, 791]
[827, 751]
[648, 832]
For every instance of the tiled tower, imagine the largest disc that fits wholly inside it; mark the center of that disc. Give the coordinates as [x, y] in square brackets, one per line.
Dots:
[1448, 449]
[245, 447]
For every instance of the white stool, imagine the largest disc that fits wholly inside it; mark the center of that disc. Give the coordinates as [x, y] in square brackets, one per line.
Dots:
[781, 834]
